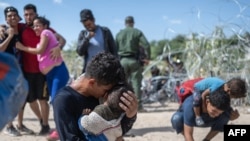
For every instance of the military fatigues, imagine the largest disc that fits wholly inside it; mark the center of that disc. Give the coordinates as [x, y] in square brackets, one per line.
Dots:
[128, 41]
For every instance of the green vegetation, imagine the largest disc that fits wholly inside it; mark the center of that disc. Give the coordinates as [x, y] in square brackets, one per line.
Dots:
[202, 55]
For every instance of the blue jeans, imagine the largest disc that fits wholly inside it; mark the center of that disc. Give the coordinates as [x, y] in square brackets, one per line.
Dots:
[185, 115]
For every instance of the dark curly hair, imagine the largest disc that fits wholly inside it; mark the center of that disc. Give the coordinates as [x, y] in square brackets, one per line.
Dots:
[237, 87]
[30, 6]
[106, 69]
[220, 99]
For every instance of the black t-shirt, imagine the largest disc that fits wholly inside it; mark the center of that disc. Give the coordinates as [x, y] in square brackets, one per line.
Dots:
[68, 106]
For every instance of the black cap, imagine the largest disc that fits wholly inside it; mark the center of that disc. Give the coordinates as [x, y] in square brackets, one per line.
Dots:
[86, 14]
[11, 9]
[129, 19]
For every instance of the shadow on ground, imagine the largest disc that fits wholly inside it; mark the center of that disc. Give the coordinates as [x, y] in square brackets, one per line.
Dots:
[35, 119]
[159, 108]
[142, 131]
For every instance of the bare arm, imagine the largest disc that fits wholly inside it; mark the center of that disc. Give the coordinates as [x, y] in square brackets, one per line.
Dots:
[203, 97]
[204, 94]
[40, 49]
[2, 31]
[56, 52]
[61, 40]
[188, 133]
[211, 134]
[6, 42]
[129, 105]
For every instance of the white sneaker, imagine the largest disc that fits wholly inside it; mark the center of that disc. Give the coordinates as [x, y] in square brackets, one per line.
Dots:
[199, 121]
[12, 131]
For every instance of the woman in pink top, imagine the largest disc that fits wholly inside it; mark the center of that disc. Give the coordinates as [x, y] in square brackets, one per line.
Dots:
[56, 72]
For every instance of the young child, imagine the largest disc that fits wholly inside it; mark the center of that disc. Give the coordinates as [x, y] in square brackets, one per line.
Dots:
[235, 87]
[103, 123]
[56, 72]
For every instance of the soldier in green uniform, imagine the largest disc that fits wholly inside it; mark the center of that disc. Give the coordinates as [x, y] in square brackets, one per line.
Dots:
[131, 43]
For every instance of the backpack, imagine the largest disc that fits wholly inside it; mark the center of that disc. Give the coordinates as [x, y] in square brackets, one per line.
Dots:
[186, 89]
[13, 88]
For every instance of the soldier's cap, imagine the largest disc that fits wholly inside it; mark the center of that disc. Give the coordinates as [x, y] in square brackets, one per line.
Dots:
[129, 19]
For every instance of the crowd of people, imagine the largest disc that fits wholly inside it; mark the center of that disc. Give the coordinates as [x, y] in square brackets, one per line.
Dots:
[37, 47]
[103, 102]
[17, 34]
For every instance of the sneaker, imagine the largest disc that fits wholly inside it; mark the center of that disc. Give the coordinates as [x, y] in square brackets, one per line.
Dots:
[53, 136]
[23, 128]
[199, 121]
[12, 131]
[129, 134]
[45, 130]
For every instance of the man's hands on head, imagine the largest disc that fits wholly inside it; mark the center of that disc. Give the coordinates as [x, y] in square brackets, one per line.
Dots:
[130, 104]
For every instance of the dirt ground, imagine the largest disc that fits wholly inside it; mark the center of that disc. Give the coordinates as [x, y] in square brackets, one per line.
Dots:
[153, 125]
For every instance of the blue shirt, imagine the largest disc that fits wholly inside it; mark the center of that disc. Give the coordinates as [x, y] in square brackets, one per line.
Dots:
[188, 113]
[96, 44]
[211, 83]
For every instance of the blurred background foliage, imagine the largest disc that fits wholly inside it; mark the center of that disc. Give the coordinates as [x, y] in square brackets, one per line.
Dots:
[200, 56]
